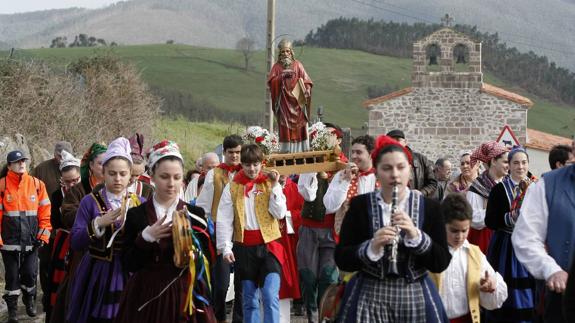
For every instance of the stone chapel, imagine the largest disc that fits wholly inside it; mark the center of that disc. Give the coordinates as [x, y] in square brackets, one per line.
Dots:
[448, 109]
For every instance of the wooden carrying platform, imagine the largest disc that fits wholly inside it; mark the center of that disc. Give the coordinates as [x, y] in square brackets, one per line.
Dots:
[306, 162]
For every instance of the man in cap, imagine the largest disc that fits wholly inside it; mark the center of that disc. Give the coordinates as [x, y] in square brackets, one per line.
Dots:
[25, 225]
[422, 177]
[49, 171]
[290, 88]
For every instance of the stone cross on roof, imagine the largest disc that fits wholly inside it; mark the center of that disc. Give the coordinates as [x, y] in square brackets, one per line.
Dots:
[447, 20]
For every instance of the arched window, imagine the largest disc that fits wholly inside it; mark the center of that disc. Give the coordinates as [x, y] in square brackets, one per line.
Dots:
[461, 58]
[433, 56]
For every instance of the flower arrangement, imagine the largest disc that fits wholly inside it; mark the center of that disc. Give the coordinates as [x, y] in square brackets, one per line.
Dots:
[267, 141]
[321, 138]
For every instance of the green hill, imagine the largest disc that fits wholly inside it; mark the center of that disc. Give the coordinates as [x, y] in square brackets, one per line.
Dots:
[215, 79]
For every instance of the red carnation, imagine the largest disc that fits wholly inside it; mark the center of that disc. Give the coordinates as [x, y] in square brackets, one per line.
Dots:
[259, 139]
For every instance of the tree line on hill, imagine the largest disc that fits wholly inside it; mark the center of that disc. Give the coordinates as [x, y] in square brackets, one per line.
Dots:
[530, 71]
[81, 40]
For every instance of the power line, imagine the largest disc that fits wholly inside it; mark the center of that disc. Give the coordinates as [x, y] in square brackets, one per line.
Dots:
[419, 18]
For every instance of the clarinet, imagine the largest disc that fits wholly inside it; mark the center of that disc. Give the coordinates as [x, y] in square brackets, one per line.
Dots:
[391, 249]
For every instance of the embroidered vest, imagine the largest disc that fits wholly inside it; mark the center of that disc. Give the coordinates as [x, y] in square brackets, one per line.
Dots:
[98, 246]
[221, 179]
[315, 210]
[269, 226]
[560, 196]
[472, 283]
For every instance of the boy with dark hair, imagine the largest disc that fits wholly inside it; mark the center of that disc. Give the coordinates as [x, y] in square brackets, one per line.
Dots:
[316, 243]
[479, 285]
[357, 178]
[248, 215]
[209, 199]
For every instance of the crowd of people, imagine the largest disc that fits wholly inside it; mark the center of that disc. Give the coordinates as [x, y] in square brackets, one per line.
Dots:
[402, 239]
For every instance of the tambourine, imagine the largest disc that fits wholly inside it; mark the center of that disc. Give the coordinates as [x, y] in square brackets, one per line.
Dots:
[182, 237]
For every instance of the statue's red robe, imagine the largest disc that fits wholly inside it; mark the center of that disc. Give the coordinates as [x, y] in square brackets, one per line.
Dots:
[292, 118]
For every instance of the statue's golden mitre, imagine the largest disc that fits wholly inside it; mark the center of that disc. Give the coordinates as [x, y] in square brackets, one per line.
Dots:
[285, 43]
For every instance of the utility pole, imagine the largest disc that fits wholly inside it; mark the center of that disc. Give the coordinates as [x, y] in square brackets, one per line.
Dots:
[268, 114]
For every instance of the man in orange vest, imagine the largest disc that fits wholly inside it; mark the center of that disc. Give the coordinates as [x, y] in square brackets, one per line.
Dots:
[25, 226]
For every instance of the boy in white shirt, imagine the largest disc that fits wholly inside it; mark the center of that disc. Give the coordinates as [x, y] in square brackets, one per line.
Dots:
[469, 282]
[248, 234]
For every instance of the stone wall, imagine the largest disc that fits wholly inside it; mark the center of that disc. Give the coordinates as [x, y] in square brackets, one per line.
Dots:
[444, 122]
[447, 39]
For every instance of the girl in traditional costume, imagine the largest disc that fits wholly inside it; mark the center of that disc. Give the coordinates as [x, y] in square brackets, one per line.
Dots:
[503, 210]
[494, 155]
[158, 291]
[99, 279]
[380, 292]
[91, 174]
[60, 243]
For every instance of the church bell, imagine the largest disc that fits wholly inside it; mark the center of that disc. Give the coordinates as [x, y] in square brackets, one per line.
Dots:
[461, 58]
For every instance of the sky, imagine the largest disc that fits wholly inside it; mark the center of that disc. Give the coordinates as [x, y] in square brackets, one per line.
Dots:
[12, 6]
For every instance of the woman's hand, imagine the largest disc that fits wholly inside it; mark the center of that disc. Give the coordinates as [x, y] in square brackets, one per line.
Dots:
[108, 218]
[383, 237]
[160, 230]
[229, 258]
[404, 222]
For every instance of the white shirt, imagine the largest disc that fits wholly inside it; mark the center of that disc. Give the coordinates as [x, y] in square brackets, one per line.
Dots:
[453, 289]
[225, 220]
[192, 189]
[160, 212]
[206, 197]
[530, 233]
[337, 191]
[307, 186]
[402, 206]
[477, 204]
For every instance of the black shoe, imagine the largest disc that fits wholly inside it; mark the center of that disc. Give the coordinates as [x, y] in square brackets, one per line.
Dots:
[312, 316]
[12, 316]
[12, 303]
[30, 304]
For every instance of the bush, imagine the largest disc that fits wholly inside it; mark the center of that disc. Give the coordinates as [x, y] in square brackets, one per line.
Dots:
[97, 99]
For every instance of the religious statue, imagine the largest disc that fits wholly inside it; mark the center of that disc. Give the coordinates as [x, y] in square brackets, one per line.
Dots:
[290, 88]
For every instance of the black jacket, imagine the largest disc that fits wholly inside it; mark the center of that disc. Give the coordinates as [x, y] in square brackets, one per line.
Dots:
[356, 229]
[422, 177]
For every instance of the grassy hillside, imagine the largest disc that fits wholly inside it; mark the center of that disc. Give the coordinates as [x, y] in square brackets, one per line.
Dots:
[341, 79]
[194, 138]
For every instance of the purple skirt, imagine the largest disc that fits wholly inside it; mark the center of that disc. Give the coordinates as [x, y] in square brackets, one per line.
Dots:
[96, 289]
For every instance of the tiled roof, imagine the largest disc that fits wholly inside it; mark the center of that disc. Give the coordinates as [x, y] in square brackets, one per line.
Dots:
[485, 88]
[387, 97]
[544, 141]
[504, 94]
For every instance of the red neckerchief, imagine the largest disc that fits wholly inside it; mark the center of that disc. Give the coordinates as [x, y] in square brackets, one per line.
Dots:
[248, 183]
[230, 169]
[367, 172]
[352, 191]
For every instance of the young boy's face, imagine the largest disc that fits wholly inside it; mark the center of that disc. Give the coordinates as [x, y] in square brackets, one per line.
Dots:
[252, 169]
[457, 232]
